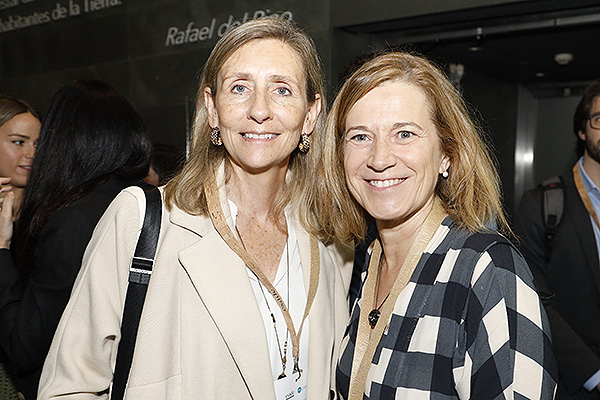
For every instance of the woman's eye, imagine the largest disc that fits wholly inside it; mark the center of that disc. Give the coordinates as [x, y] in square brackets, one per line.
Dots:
[405, 135]
[360, 137]
[239, 89]
[19, 142]
[283, 91]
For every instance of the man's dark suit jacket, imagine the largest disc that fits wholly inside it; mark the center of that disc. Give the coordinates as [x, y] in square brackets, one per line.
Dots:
[569, 284]
[30, 311]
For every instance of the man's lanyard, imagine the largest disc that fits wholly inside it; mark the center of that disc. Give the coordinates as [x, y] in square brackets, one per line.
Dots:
[585, 197]
[218, 219]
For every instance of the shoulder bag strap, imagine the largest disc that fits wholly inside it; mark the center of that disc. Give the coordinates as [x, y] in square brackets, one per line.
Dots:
[139, 277]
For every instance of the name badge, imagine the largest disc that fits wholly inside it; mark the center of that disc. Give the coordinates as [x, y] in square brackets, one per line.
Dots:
[289, 389]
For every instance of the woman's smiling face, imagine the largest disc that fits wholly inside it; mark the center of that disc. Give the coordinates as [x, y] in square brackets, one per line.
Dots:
[260, 105]
[392, 153]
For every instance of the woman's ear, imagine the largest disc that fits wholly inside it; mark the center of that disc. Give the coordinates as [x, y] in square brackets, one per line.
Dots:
[211, 108]
[445, 164]
[311, 116]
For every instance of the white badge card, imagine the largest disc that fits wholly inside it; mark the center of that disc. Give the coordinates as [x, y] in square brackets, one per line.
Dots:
[289, 389]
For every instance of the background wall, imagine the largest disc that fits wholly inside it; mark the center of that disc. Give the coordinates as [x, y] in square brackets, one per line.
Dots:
[510, 78]
[555, 140]
[152, 51]
[360, 12]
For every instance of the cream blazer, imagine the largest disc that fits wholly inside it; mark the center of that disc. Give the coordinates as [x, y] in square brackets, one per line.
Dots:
[201, 335]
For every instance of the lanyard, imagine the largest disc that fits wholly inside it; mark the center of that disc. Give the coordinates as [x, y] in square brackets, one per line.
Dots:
[218, 219]
[367, 338]
[585, 197]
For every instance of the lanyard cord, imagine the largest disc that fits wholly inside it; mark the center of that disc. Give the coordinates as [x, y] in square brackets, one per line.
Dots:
[218, 219]
[367, 338]
[282, 354]
[585, 197]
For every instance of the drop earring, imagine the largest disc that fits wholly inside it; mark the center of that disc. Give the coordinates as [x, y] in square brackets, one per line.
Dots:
[304, 144]
[215, 136]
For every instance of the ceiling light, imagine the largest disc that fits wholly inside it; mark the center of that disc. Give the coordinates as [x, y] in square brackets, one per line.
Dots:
[563, 58]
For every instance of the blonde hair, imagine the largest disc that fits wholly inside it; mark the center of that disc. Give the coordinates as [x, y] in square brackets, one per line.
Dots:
[186, 190]
[471, 194]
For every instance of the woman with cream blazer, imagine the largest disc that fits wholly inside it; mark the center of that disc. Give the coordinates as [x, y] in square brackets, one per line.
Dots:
[230, 311]
[196, 340]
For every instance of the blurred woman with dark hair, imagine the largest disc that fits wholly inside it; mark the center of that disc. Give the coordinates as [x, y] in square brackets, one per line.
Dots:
[92, 145]
[166, 161]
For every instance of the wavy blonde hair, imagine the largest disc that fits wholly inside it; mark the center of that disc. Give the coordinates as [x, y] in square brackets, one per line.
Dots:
[186, 190]
[471, 194]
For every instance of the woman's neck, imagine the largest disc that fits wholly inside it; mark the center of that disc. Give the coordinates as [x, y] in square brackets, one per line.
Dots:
[396, 242]
[397, 237]
[255, 194]
[261, 227]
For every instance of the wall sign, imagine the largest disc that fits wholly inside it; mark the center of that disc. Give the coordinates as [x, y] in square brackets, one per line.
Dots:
[191, 33]
[49, 12]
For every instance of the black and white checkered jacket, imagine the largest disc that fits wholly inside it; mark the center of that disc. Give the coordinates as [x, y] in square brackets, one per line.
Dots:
[469, 325]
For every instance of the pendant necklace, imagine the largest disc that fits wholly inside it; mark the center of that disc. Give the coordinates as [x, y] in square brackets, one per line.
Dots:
[218, 218]
[282, 354]
[376, 313]
[368, 338]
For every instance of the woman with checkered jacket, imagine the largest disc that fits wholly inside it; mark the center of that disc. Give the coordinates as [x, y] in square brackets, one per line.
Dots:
[447, 308]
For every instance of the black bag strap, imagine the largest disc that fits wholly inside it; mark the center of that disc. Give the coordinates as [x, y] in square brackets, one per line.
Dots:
[552, 207]
[139, 277]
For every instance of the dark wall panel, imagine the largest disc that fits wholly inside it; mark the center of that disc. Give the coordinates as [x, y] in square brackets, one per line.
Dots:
[357, 12]
[150, 50]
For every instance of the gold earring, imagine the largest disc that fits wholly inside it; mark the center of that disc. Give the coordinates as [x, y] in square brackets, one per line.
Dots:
[215, 136]
[304, 144]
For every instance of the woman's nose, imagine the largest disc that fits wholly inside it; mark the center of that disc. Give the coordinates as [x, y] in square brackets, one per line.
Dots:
[382, 156]
[260, 107]
[29, 150]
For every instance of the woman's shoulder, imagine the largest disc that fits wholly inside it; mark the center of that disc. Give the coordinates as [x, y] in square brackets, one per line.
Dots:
[86, 211]
[467, 255]
[456, 238]
[130, 202]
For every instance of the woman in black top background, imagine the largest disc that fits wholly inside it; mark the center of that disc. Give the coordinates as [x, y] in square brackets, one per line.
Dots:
[92, 145]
